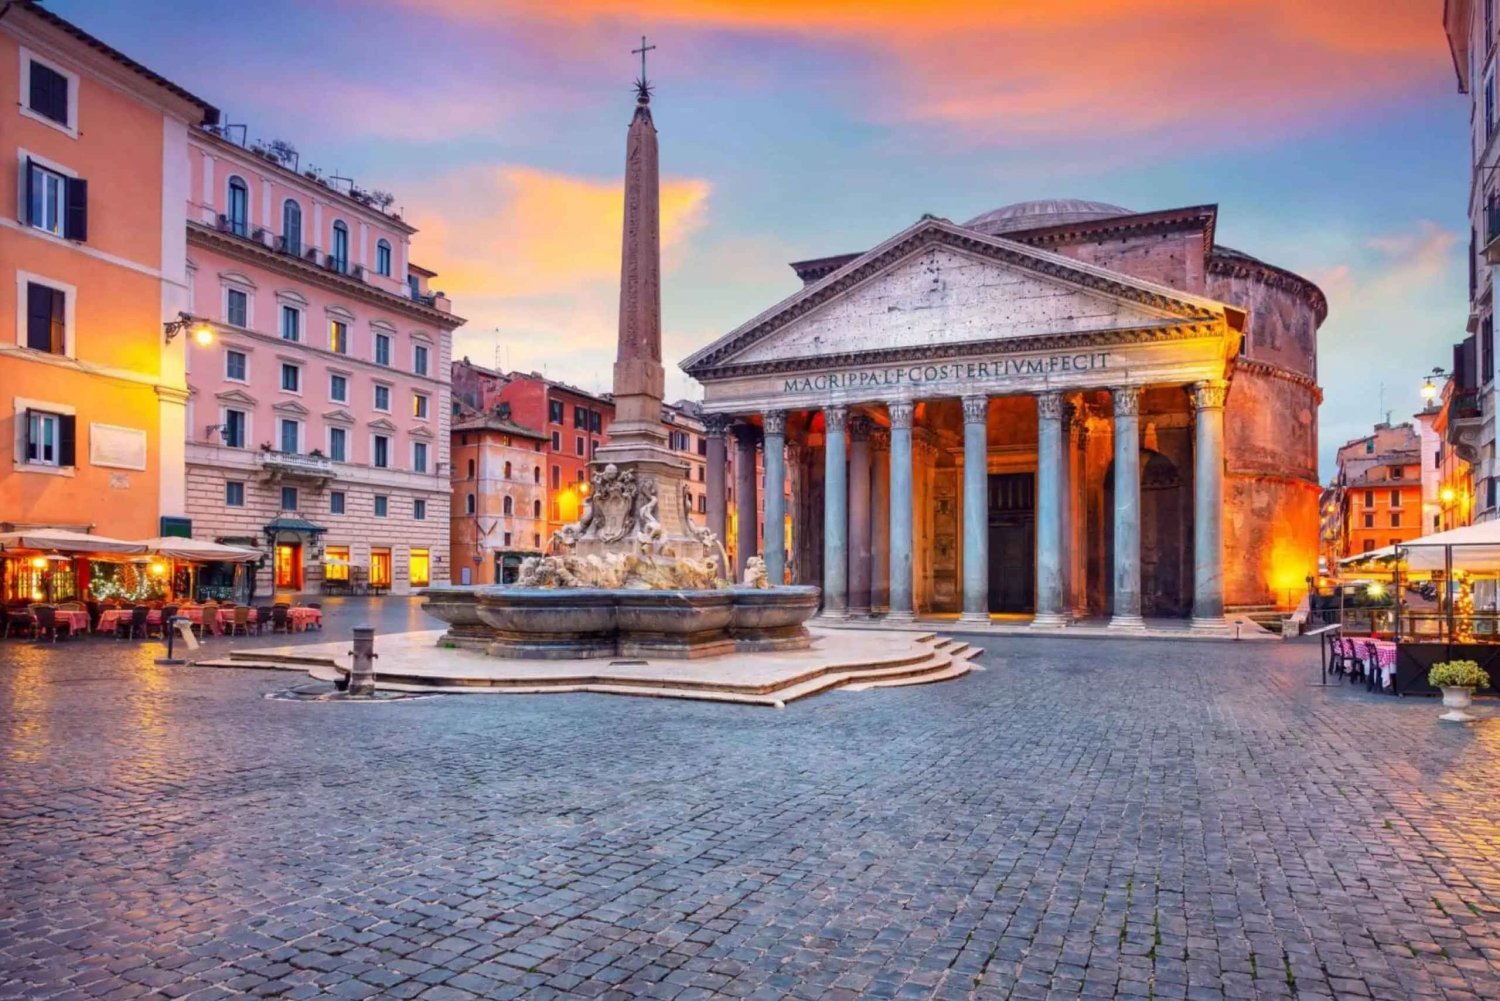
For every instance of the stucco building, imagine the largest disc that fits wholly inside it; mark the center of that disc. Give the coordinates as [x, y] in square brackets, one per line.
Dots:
[318, 426]
[92, 394]
[1380, 489]
[499, 505]
[1091, 411]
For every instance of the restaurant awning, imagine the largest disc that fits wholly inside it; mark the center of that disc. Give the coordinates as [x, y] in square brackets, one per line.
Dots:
[1472, 549]
[47, 540]
[199, 550]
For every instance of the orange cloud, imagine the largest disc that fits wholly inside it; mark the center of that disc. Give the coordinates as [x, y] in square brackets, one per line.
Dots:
[1003, 70]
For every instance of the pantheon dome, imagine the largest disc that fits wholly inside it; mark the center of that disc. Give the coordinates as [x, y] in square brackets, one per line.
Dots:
[1046, 212]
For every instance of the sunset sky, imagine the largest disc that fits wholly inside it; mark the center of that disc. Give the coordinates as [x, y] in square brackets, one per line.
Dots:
[1331, 135]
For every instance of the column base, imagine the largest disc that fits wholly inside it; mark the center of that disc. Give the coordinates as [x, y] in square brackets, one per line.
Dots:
[859, 613]
[1049, 620]
[897, 618]
[974, 617]
[1128, 623]
[1209, 624]
[834, 615]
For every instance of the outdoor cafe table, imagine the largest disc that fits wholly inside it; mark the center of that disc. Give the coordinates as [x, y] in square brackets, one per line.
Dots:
[1385, 660]
[77, 619]
[304, 618]
[112, 617]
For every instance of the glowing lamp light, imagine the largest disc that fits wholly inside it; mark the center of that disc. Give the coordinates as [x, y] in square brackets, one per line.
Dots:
[583, 489]
[39, 562]
[203, 334]
[1447, 495]
[1375, 589]
[158, 569]
[1429, 390]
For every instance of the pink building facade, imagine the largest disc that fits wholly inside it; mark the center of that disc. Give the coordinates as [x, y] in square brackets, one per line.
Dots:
[319, 412]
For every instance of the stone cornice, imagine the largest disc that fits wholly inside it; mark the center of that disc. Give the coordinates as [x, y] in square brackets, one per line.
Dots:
[1236, 265]
[939, 232]
[259, 253]
[1138, 223]
[1012, 345]
[1277, 372]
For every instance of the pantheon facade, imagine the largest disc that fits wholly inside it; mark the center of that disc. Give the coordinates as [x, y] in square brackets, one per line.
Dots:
[1058, 409]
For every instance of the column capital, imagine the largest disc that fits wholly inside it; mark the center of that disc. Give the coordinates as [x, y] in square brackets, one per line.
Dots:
[976, 409]
[860, 427]
[774, 422]
[1209, 394]
[834, 419]
[1127, 400]
[714, 425]
[902, 412]
[1049, 406]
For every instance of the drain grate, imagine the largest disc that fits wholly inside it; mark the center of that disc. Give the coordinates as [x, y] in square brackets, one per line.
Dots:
[327, 693]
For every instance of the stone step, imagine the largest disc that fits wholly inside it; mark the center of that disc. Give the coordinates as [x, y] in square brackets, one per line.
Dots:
[956, 669]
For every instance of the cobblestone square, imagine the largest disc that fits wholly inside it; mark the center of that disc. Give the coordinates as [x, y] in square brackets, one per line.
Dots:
[1081, 819]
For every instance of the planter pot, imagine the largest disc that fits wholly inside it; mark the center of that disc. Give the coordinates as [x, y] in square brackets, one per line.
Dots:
[1457, 700]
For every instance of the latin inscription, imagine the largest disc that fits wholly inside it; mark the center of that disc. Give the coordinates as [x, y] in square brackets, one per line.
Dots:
[949, 372]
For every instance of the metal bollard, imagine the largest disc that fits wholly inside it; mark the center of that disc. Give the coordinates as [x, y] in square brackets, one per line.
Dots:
[362, 670]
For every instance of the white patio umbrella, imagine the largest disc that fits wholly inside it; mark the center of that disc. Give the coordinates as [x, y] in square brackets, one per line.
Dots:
[62, 541]
[198, 550]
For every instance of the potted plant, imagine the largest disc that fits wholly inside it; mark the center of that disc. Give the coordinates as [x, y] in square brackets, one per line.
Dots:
[1457, 679]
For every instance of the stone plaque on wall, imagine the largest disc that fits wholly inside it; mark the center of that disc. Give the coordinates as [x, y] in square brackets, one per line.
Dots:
[117, 447]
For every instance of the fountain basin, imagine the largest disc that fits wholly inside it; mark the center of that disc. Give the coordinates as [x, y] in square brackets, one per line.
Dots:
[569, 623]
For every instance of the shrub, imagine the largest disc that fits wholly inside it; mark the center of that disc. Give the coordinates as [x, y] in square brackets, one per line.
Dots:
[1457, 674]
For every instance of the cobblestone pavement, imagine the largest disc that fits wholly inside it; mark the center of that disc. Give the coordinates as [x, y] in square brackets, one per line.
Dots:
[1083, 819]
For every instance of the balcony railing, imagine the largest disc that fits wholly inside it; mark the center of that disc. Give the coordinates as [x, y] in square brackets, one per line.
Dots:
[294, 465]
[1492, 233]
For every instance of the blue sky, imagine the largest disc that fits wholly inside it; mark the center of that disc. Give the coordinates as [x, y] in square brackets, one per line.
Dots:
[1331, 135]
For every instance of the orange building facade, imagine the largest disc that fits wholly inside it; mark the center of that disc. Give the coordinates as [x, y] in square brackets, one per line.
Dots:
[93, 407]
[1380, 481]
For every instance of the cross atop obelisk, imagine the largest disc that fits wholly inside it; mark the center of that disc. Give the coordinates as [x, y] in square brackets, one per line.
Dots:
[643, 85]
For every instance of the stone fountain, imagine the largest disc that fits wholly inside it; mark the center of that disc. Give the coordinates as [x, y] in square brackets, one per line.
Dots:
[631, 578]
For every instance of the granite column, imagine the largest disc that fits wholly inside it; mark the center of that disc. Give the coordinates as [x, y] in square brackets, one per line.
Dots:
[976, 607]
[835, 516]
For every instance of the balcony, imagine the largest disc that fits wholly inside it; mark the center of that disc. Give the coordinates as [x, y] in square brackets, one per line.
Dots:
[277, 466]
[1465, 422]
[1492, 233]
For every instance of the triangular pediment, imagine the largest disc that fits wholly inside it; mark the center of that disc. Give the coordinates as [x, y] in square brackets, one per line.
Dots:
[419, 432]
[381, 424]
[936, 286]
[291, 407]
[236, 396]
[338, 416]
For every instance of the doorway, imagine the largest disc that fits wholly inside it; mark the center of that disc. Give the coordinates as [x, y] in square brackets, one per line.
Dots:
[288, 566]
[1012, 522]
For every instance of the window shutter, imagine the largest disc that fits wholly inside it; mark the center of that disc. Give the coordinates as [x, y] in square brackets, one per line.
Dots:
[67, 436]
[49, 93]
[58, 330]
[38, 317]
[76, 222]
[30, 192]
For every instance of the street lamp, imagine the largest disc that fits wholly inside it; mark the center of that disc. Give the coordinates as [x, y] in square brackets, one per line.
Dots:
[203, 331]
[1430, 387]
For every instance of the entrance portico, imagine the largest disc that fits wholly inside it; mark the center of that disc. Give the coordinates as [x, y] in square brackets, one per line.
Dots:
[1073, 419]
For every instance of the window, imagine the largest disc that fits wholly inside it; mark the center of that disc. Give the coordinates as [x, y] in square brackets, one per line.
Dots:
[419, 406]
[234, 365]
[234, 493]
[338, 257]
[420, 563]
[291, 227]
[338, 337]
[556, 477]
[1369, 446]
[1395, 519]
[234, 428]
[236, 307]
[703, 504]
[1369, 545]
[46, 199]
[335, 503]
[596, 421]
[419, 510]
[291, 323]
[556, 441]
[383, 258]
[289, 498]
[237, 211]
[419, 359]
[47, 93]
[46, 318]
[580, 418]
[1369, 521]
[338, 388]
[469, 504]
[380, 568]
[50, 438]
[338, 445]
[1397, 472]
[1395, 498]
[1369, 498]
[419, 456]
[471, 468]
[1487, 348]
[536, 474]
[291, 377]
[508, 507]
[555, 411]
[536, 509]
[578, 445]
[382, 505]
[383, 398]
[382, 451]
[336, 561]
[291, 433]
[382, 349]
[1489, 103]
[507, 540]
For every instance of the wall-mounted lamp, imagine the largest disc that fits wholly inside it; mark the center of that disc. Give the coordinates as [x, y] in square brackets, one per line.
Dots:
[203, 331]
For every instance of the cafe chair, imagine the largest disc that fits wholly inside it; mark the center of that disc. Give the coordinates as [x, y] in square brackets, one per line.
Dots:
[47, 623]
[19, 620]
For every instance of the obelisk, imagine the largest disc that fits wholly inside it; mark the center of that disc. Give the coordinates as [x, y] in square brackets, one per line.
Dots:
[637, 438]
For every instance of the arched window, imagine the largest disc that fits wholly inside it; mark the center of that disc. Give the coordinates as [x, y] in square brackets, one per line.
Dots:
[508, 507]
[471, 469]
[339, 255]
[536, 474]
[291, 227]
[237, 212]
[507, 470]
[536, 509]
[469, 504]
[383, 258]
